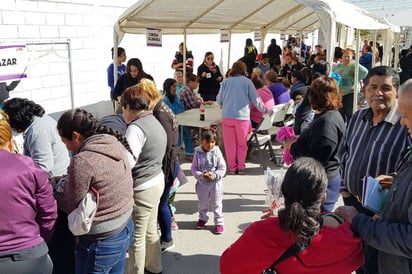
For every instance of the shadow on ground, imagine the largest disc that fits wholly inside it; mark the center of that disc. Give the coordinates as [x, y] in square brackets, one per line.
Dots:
[229, 205]
[194, 264]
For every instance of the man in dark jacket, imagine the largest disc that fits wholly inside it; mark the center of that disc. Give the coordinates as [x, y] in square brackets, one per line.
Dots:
[391, 233]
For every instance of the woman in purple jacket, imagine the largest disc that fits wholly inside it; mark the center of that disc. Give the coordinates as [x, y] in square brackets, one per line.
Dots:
[29, 210]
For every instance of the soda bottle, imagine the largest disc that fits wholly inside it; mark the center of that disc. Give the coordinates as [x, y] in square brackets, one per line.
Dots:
[202, 113]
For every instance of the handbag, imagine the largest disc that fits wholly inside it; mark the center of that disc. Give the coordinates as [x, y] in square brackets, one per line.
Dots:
[293, 250]
[81, 218]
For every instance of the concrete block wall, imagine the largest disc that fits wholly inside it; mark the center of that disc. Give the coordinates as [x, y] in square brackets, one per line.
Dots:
[88, 26]
[84, 25]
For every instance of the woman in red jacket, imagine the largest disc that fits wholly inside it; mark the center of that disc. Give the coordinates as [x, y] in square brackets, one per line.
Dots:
[330, 245]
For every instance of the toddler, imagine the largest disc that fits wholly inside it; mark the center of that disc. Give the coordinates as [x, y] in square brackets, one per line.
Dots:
[209, 167]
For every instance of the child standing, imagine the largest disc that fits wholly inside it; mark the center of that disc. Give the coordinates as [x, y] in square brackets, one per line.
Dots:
[209, 167]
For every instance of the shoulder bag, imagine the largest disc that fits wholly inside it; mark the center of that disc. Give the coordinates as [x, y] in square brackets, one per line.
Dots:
[293, 250]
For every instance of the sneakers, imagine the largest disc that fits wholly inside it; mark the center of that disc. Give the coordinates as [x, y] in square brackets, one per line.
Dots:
[219, 229]
[166, 245]
[174, 225]
[200, 224]
[232, 172]
[189, 158]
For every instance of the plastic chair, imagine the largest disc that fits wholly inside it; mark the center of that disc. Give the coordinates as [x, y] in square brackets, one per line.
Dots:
[259, 139]
[282, 116]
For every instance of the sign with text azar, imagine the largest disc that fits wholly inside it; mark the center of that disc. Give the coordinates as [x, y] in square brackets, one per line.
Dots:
[13, 62]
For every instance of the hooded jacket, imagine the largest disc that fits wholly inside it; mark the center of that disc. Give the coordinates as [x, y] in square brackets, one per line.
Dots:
[101, 161]
[332, 250]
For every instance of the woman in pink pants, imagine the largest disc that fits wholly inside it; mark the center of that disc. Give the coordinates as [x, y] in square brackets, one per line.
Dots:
[235, 95]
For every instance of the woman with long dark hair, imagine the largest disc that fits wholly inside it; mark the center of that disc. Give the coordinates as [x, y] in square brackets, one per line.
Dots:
[134, 73]
[172, 100]
[101, 160]
[300, 221]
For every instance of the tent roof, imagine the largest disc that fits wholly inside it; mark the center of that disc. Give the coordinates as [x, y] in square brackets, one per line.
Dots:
[240, 16]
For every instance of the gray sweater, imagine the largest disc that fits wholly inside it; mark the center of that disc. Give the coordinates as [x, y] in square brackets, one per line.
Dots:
[43, 144]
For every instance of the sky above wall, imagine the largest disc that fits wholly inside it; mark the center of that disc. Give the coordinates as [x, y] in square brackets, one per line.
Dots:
[396, 11]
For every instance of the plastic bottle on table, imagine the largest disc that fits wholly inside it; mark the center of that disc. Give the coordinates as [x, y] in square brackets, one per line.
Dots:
[202, 112]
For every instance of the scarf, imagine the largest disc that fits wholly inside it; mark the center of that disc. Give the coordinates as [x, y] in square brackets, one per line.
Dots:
[211, 67]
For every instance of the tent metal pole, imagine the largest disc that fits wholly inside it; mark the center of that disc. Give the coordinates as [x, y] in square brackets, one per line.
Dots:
[373, 49]
[356, 80]
[263, 33]
[228, 50]
[115, 46]
[184, 56]
[70, 73]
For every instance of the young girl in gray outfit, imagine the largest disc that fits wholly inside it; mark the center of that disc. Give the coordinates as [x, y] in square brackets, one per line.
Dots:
[209, 167]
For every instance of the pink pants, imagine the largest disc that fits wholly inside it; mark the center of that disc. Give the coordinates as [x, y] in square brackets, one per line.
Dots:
[235, 140]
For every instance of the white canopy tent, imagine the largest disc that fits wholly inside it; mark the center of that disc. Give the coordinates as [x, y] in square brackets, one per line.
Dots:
[242, 16]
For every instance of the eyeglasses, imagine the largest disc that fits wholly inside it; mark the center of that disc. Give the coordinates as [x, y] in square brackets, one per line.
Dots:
[209, 58]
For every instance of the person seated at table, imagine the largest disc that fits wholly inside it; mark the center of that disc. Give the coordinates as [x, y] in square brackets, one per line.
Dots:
[173, 102]
[296, 65]
[264, 66]
[267, 98]
[178, 75]
[279, 91]
[297, 81]
[300, 221]
[286, 69]
[187, 95]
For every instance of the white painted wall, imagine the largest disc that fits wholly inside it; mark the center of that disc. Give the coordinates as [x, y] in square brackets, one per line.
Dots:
[88, 25]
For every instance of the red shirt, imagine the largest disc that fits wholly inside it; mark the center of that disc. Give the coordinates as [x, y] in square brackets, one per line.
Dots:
[332, 250]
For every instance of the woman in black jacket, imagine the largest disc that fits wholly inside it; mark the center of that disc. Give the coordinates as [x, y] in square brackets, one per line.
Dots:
[134, 73]
[209, 78]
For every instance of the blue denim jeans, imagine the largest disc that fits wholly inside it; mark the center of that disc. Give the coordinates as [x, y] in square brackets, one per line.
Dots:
[104, 256]
[332, 193]
[164, 216]
[187, 139]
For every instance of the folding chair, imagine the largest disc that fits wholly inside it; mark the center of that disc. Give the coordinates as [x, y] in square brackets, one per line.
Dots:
[282, 116]
[260, 139]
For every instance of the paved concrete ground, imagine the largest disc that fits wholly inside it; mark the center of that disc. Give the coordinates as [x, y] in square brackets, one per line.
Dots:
[198, 251]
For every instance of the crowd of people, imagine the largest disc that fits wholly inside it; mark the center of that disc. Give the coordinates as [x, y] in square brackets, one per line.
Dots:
[129, 162]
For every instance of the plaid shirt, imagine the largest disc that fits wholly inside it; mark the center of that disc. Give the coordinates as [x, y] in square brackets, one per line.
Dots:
[188, 98]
